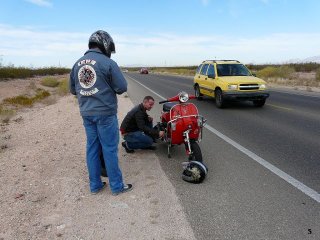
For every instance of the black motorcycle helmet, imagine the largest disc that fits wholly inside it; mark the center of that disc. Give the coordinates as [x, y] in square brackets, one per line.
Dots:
[194, 172]
[103, 41]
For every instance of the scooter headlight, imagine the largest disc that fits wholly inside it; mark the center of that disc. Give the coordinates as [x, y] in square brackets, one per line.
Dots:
[183, 97]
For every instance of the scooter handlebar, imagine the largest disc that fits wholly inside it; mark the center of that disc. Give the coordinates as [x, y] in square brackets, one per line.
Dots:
[164, 101]
[176, 99]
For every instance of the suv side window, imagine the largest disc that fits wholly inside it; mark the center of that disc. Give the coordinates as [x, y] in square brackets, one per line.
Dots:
[211, 71]
[198, 69]
[204, 69]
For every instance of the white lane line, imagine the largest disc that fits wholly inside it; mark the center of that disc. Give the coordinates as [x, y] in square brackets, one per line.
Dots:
[294, 182]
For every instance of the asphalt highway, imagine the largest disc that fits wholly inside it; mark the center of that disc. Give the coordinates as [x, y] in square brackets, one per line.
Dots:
[264, 163]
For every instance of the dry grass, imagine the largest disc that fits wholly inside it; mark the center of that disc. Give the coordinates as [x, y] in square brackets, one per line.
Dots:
[318, 74]
[6, 114]
[276, 72]
[179, 71]
[307, 80]
[24, 100]
[49, 82]
[9, 106]
[63, 87]
[27, 93]
[22, 72]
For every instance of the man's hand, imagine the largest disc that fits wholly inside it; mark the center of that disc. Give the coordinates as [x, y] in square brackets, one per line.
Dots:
[161, 134]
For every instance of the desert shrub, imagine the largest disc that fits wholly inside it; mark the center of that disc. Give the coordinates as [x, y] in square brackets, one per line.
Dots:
[49, 82]
[318, 74]
[276, 72]
[63, 87]
[4, 111]
[286, 71]
[298, 67]
[41, 94]
[6, 114]
[26, 100]
[267, 72]
[19, 100]
[23, 72]
[183, 70]
[305, 67]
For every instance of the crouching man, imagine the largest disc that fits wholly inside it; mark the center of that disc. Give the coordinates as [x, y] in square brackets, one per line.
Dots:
[136, 128]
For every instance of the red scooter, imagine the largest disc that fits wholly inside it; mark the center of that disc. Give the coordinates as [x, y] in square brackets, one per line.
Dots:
[182, 124]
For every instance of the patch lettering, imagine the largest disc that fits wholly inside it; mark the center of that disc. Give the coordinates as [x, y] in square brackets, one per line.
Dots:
[89, 93]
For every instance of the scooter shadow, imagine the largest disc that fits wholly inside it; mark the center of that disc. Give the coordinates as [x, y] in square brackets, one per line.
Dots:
[177, 152]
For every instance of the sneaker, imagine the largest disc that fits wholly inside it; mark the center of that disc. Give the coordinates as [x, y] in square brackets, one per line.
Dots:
[96, 192]
[128, 150]
[126, 188]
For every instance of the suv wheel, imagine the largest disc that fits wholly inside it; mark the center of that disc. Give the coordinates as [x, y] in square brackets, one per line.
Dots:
[219, 100]
[259, 103]
[197, 92]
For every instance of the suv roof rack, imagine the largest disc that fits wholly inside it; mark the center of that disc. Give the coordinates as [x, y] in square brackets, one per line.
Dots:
[223, 60]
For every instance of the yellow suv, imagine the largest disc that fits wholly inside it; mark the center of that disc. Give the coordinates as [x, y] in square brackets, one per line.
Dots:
[229, 80]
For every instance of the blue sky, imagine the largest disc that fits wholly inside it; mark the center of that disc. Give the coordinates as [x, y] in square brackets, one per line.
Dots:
[42, 33]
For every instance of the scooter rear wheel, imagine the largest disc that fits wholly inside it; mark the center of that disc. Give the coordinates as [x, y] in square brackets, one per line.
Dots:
[196, 152]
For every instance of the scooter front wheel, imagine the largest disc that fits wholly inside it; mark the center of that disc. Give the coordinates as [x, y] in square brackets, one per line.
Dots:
[196, 152]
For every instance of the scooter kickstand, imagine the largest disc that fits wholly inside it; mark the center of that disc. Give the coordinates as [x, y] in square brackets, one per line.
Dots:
[169, 154]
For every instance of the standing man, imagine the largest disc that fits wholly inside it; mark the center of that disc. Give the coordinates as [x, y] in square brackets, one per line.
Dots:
[96, 80]
[137, 129]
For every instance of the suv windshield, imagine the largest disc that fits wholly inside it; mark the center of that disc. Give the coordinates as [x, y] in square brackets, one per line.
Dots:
[232, 70]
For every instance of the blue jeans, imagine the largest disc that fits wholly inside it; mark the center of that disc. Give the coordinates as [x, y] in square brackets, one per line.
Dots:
[103, 134]
[138, 140]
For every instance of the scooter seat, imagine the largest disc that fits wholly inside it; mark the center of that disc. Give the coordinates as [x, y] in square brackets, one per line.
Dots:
[167, 106]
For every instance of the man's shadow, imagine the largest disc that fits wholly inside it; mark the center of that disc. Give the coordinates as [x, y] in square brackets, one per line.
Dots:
[103, 166]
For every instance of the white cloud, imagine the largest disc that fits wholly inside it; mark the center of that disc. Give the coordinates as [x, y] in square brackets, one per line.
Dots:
[190, 50]
[41, 3]
[27, 46]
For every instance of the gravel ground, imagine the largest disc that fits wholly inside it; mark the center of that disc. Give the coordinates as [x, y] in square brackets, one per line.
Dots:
[44, 184]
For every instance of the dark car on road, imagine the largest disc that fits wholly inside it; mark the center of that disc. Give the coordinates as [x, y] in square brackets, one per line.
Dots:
[144, 71]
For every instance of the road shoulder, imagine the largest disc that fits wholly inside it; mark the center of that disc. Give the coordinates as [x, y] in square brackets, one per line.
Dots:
[44, 184]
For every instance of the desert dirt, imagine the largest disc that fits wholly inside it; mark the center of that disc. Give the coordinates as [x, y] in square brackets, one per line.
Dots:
[44, 182]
